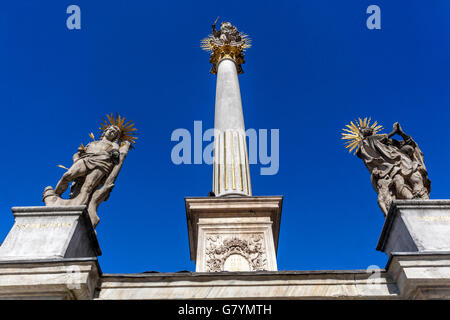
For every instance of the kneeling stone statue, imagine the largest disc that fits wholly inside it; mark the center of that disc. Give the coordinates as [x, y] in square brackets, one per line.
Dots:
[397, 168]
[95, 168]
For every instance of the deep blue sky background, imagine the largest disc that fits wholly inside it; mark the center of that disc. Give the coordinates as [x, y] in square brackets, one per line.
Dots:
[313, 67]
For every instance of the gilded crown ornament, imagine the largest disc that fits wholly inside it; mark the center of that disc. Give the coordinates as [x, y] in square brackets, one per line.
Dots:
[226, 43]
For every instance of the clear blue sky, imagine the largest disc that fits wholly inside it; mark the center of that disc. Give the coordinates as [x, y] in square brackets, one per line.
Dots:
[313, 67]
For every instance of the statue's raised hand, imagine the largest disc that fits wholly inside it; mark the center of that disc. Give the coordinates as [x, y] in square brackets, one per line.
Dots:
[396, 127]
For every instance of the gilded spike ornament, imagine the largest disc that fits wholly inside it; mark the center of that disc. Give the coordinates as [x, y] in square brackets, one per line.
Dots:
[226, 43]
[127, 130]
[396, 167]
[95, 167]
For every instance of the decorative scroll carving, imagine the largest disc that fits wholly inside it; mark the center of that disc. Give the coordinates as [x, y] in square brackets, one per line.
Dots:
[218, 249]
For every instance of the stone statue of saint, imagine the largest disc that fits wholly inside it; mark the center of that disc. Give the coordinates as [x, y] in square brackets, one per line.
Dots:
[397, 168]
[94, 169]
[227, 33]
[227, 42]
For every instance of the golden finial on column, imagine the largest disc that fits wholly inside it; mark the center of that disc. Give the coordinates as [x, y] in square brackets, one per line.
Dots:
[226, 43]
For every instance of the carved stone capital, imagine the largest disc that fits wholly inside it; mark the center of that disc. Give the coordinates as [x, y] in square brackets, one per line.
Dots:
[221, 52]
[226, 43]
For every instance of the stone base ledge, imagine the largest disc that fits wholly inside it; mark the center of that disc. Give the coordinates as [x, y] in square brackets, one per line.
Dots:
[421, 275]
[407, 276]
[62, 279]
[250, 285]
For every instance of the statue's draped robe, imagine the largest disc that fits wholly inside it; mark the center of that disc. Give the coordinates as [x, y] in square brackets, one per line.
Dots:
[384, 158]
[102, 161]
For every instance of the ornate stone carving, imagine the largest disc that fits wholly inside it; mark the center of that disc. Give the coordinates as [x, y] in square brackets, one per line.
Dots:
[219, 248]
[397, 168]
[225, 43]
[95, 168]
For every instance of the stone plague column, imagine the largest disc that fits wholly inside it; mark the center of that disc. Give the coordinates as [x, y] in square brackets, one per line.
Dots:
[231, 175]
[233, 231]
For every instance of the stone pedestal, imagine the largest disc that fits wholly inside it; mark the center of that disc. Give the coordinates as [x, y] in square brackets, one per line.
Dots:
[50, 253]
[416, 237]
[50, 233]
[416, 226]
[234, 234]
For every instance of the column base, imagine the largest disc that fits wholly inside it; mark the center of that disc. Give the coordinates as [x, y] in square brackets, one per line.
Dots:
[421, 275]
[234, 233]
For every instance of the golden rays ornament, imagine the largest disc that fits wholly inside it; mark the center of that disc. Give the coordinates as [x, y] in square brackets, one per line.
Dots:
[210, 44]
[352, 132]
[226, 43]
[127, 130]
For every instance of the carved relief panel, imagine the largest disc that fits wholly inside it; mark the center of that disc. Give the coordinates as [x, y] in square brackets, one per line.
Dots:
[231, 253]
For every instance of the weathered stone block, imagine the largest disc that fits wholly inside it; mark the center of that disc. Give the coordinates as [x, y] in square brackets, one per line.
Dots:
[416, 226]
[50, 232]
[49, 279]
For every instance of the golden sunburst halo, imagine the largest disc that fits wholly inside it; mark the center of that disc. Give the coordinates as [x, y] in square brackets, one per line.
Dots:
[352, 134]
[127, 130]
[208, 43]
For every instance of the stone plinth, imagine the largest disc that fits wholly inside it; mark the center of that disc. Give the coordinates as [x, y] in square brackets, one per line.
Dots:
[50, 233]
[234, 234]
[416, 226]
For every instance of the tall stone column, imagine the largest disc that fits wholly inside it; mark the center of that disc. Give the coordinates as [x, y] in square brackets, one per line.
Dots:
[233, 231]
[231, 175]
[231, 170]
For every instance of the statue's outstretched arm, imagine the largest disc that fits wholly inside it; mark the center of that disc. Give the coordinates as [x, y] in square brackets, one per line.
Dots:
[393, 132]
[401, 133]
[214, 31]
[397, 129]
